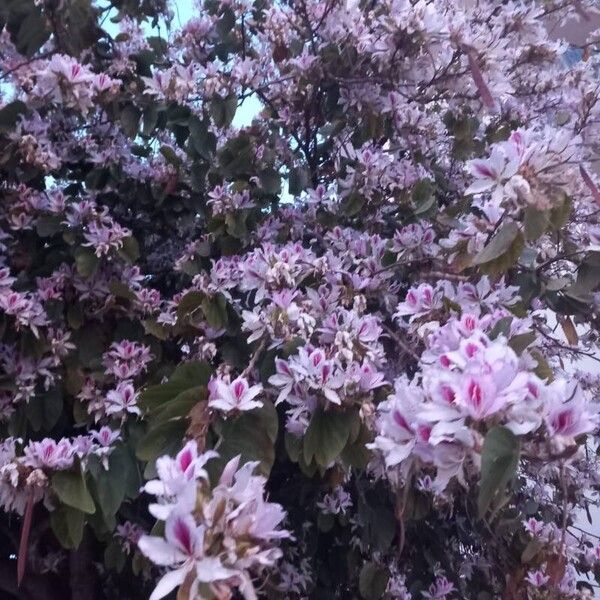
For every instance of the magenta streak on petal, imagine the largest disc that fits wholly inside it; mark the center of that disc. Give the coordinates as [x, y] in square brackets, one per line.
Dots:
[185, 460]
[484, 170]
[400, 420]
[183, 536]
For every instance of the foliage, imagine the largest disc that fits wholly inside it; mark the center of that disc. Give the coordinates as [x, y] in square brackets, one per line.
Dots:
[343, 348]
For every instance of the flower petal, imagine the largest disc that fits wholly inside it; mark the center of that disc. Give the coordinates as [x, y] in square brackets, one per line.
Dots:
[159, 551]
[168, 583]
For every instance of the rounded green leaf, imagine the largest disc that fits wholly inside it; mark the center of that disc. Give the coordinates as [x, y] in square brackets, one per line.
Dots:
[499, 462]
[71, 489]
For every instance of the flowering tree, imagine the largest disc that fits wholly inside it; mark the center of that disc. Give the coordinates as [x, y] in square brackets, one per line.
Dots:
[344, 351]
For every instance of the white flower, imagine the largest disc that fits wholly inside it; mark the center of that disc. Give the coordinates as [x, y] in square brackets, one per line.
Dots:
[122, 400]
[177, 480]
[237, 395]
[182, 548]
[492, 173]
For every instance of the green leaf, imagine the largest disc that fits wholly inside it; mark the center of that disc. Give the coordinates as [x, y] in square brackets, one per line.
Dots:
[380, 524]
[327, 434]
[170, 155]
[44, 410]
[86, 262]
[165, 438]
[226, 23]
[502, 252]
[156, 329]
[150, 119]
[156, 395]
[499, 244]
[90, 343]
[270, 181]
[555, 285]
[422, 196]
[356, 454]
[536, 223]
[588, 280]
[48, 225]
[325, 522]
[121, 290]
[33, 33]
[252, 434]
[236, 224]
[298, 180]
[96, 179]
[110, 485]
[192, 373]
[130, 250]
[502, 327]
[561, 210]
[222, 110]
[236, 158]
[9, 115]
[80, 21]
[130, 120]
[187, 375]
[373, 581]
[114, 557]
[67, 525]
[353, 204]
[71, 490]
[293, 446]
[203, 141]
[499, 462]
[180, 406]
[215, 311]
[519, 342]
[531, 550]
[543, 370]
[178, 115]
[141, 151]
[189, 303]
[158, 44]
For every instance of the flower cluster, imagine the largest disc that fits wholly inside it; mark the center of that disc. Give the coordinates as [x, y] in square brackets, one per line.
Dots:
[354, 243]
[216, 537]
[466, 384]
[63, 80]
[25, 469]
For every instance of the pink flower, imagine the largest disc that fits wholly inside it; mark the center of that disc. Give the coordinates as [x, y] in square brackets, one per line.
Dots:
[568, 415]
[182, 548]
[49, 454]
[103, 83]
[537, 578]
[126, 360]
[419, 301]
[174, 479]
[369, 378]
[402, 432]
[129, 533]
[491, 174]
[82, 445]
[415, 237]
[534, 527]
[122, 400]
[283, 378]
[439, 590]
[319, 373]
[480, 398]
[235, 396]
[106, 436]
